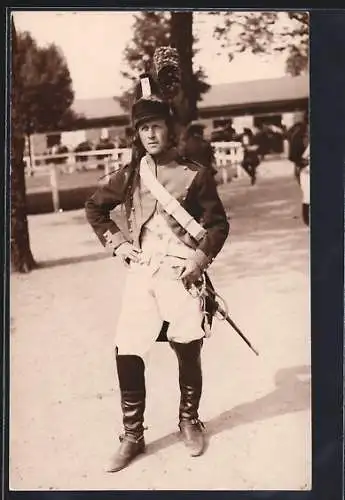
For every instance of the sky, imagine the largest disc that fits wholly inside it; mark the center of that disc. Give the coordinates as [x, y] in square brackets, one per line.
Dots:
[93, 45]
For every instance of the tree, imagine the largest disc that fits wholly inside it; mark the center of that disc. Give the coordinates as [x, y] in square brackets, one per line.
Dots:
[266, 32]
[193, 85]
[21, 256]
[155, 29]
[46, 84]
[41, 96]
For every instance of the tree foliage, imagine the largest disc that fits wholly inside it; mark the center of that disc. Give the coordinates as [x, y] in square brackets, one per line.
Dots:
[266, 32]
[45, 87]
[150, 30]
[155, 29]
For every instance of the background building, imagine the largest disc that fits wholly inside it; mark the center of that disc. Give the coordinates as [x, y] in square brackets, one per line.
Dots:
[276, 101]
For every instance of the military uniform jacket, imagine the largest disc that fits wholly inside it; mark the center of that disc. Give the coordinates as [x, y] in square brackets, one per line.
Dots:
[190, 183]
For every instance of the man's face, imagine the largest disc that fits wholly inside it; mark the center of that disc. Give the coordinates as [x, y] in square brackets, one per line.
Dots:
[154, 136]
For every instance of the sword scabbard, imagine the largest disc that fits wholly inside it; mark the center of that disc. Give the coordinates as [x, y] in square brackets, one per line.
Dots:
[227, 318]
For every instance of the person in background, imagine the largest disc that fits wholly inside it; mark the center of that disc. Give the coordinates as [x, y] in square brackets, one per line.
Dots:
[104, 143]
[251, 159]
[260, 138]
[194, 146]
[230, 131]
[298, 137]
[305, 185]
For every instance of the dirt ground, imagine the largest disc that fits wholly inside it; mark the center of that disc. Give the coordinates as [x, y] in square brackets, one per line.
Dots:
[65, 414]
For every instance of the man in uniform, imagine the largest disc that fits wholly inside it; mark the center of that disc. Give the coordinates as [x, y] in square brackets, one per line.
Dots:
[164, 262]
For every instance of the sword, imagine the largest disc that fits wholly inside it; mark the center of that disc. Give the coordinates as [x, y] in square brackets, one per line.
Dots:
[223, 313]
[225, 316]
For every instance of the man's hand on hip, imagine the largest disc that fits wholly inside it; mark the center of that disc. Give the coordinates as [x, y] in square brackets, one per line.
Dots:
[191, 273]
[128, 252]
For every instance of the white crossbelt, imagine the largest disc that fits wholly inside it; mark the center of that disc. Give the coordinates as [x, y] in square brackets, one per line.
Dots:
[167, 201]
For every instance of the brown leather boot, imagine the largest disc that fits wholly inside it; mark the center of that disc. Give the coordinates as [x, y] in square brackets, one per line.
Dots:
[190, 381]
[130, 448]
[130, 371]
[192, 432]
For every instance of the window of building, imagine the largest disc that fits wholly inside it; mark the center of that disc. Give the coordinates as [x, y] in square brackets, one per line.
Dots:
[53, 140]
[222, 122]
[260, 120]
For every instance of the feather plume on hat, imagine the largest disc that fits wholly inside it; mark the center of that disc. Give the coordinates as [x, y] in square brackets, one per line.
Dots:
[167, 68]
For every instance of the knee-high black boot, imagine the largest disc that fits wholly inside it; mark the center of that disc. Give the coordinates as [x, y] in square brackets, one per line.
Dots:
[190, 381]
[131, 374]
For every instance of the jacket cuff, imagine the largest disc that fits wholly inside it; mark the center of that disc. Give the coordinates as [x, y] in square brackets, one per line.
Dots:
[201, 259]
[113, 240]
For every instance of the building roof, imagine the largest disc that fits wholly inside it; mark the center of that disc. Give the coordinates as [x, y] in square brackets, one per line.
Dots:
[286, 88]
[281, 89]
[98, 108]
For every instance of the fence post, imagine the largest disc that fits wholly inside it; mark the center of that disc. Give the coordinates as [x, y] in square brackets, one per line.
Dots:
[224, 168]
[239, 170]
[107, 163]
[54, 186]
[116, 158]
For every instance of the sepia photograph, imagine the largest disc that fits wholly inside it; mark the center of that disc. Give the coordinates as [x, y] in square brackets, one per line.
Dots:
[160, 318]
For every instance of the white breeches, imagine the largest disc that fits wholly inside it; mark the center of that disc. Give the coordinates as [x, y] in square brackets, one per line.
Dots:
[148, 300]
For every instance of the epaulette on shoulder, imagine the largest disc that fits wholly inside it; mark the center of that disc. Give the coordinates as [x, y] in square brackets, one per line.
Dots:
[192, 164]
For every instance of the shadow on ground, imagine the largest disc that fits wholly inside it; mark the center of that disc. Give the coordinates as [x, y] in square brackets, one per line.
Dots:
[66, 261]
[291, 394]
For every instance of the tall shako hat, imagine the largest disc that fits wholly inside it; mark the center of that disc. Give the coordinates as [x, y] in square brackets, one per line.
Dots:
[154, 91]
[148, 101]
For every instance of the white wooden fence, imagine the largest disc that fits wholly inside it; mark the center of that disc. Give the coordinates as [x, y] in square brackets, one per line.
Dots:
[107, 157]
[111, 159]
[227, 154]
